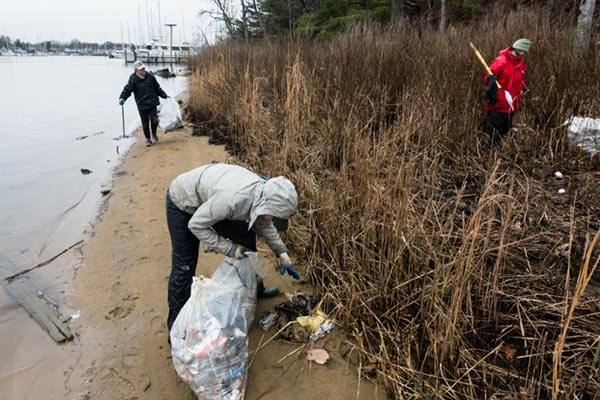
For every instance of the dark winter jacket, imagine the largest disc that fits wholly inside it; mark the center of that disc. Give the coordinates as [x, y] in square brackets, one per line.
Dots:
[146, 91]
[510, 73]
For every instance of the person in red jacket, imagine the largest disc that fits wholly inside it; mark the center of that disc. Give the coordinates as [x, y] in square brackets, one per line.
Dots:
[508, 69]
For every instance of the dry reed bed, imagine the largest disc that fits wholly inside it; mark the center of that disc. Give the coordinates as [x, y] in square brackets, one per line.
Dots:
[455, 268]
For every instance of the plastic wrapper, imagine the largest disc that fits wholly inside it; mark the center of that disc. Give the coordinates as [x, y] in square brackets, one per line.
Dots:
[323, 330]
[169, 117]
[209, 338]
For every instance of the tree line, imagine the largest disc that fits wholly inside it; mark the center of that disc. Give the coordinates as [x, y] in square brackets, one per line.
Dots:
[253, 19]
[53, 46]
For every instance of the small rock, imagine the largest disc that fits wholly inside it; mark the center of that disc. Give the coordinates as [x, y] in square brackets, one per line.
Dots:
[85, 171]
[561, 191]
[105, 192]
[559, 175]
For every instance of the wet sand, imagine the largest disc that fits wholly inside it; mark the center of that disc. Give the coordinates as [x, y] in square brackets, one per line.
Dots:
[120, 290]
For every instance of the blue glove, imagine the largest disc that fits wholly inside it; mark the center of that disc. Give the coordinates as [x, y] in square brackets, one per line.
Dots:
[121, 102]
[285, 265]
[291, 271]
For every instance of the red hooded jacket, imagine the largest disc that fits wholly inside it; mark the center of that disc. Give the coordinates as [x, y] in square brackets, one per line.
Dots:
[510, 73]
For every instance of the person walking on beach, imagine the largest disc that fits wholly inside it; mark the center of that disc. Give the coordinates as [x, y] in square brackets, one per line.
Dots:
[224, 207]
[146, 90]
[508, 69]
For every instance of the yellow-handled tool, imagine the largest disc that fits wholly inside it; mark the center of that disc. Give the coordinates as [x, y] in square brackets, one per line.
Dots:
[507, 95]
[480, 57]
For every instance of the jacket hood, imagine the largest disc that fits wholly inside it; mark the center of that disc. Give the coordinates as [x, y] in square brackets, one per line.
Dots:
[276, 197]
[507, 53]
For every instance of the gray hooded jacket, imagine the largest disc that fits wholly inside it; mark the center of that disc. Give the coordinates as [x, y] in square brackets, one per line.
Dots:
[216, 192]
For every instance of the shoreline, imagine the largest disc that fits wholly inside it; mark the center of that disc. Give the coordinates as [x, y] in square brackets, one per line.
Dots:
[119, 287]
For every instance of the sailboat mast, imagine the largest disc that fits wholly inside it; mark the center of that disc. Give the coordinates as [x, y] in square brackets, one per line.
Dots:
[159, 21]
[149, 27]
[141, 40]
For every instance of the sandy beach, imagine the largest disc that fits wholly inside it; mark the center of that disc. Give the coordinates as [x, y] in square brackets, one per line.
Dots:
[120, 290]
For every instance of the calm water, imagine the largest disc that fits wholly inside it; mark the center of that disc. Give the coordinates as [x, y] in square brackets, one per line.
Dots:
[46, 203]
[47, 103]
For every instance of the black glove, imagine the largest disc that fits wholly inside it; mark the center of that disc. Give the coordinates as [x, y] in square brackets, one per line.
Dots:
[491, 91]
[237, 251]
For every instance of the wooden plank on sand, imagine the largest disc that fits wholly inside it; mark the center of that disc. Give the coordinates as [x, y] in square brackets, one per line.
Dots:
[27, 296]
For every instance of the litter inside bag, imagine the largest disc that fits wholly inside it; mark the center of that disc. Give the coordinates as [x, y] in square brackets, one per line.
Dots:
[209, 338]
[241, 277]
[169, 117]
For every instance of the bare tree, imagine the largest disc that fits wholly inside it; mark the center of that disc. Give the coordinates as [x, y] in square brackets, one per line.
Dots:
[224, 15]
[259, 18]
[583, 32]
[245, 21]
[443, 15]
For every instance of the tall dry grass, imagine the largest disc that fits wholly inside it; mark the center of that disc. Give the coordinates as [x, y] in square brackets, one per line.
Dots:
[453, 266]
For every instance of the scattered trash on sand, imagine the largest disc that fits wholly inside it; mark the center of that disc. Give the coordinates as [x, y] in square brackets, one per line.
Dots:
[296, 321]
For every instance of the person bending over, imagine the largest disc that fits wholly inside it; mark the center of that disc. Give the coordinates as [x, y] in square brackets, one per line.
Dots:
[223, 207]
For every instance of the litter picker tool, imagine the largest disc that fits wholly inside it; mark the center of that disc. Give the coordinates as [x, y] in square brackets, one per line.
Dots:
[507, 95]
[123, 119]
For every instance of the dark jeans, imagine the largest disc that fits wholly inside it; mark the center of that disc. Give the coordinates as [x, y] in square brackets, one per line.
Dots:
[498, 125]
[149, 117]
[184, 257]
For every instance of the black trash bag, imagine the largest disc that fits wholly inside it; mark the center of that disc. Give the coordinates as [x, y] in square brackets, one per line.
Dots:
[491, 90]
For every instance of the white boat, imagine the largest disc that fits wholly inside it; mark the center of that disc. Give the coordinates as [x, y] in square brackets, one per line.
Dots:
[157, 52]
[117, 54]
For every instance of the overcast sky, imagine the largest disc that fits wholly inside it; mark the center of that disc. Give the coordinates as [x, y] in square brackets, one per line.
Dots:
[103, 20]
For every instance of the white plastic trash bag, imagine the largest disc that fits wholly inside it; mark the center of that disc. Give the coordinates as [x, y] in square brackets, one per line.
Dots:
[240, 275]
[584, 133]
[209, 338]
[208, 344]
[169, 117]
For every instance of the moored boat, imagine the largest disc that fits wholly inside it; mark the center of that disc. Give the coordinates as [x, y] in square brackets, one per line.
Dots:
[157, 52]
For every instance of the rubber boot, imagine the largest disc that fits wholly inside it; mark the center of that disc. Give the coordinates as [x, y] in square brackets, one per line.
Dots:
[263, 292]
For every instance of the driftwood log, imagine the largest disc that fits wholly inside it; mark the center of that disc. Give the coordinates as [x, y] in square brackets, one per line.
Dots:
[26, 294]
